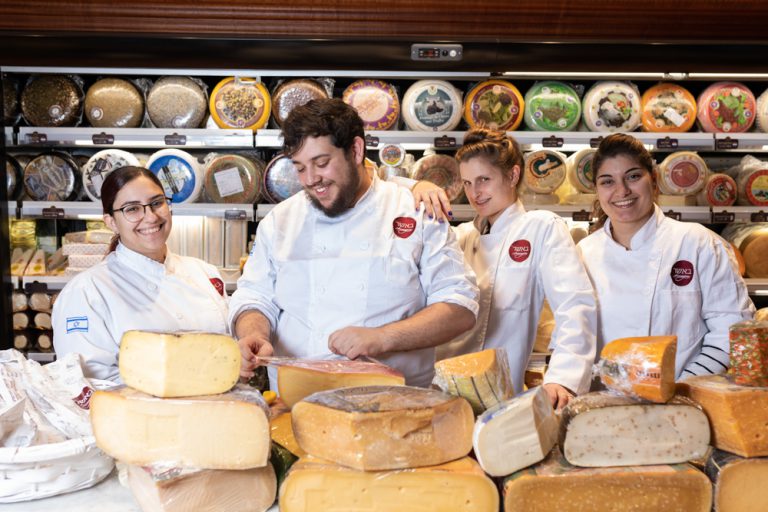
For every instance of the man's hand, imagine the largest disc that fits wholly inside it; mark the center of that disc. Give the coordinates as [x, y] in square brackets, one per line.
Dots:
[354, 342]
[558, 395]
[436, 203]
[251, 348]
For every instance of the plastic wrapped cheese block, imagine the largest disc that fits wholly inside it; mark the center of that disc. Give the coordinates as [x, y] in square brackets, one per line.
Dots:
[754, 248]
[579, 170]
[739, 483]
[749, 353]
[556, 485]
[167, 365]
[544, 171]
[719, 190]
[238, 102]
[482, 378]
[494, 104]
[443, 171]
[432, 105]
[233, 179]
[294, 93]
[610, 106]
[376, 103]
[727, 107]
[114, 102]
[85, 248]
[10, 101]
[52, 100]
[51, 177]
[375, 428]
[177, 102]
[668, 107]
[179, 172]
[552, 106]
[100, 165]
[227, 431]
[752, 184]
[682, 173]
[281, 180]
[314, 485]
[601, 429]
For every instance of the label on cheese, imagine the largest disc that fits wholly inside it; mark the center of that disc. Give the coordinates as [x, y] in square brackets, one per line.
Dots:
[179, 173]
[682, 173]
[384, 427]
[100, 165]
[376, 103]
[611, 107]
[579, 169]
[233, 179]
[719, 190]
[668, 107]
[749, 353]
[240, 103]
[753, 186]
[552, 107]
[544, 171]
[726, 107]
[432, 105]
[739, 483]
[494, 104]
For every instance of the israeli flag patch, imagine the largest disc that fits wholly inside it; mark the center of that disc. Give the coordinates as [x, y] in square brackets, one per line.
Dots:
[77, 324]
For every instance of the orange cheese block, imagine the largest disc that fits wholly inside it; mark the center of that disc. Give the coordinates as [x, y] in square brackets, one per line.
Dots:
[281, 432]
[739, 483]
[375, 428]
[480, 377]
[642, 367]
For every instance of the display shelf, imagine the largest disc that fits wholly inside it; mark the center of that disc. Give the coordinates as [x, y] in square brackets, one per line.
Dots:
[41, 357]
[741, 141]
[688, 213]
[8, 132]
[134, 137]
[727, 214]
[89, 209]
[757, 286]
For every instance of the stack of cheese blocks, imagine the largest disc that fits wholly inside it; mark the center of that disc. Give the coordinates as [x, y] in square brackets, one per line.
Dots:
[85, 249]
[192, 439]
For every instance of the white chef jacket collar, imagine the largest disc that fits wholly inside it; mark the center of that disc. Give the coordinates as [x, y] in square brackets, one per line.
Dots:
[502, 221]
[645, 234]
[361, 204]
[143, 264]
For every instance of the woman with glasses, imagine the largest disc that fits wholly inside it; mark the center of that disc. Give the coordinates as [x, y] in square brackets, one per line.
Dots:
[140, 284]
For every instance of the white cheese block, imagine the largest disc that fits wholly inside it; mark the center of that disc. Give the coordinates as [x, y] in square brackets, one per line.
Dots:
[682, 173]
[544, 171]
[579, 170]
[180, 174]
[611, 106]
[101, 165]
[432, 105]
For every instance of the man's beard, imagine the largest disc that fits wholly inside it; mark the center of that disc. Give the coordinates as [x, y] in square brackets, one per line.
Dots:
[346, 198]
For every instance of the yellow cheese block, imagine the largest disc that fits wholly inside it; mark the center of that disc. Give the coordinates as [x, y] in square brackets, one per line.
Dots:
[642, 367]
[281, 432]
[384, 427]
[737, 414]
[227, 431]
[316, 485]
[739, 482]
[171, 365]
[481, 377]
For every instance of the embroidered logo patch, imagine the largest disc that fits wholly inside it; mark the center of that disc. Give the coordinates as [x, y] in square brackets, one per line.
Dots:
[404, 226]
[682, 272]
[520, 250]
[77, 324]
[218, 284]
[83, 400]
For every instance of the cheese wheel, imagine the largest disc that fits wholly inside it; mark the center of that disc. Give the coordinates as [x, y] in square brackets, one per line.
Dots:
[101, 165]
[52, 100]
[281, 431]
[10, 101]
[240, 103]
[176, 102]
[494, 104]
[432, 105]
[752, 185]
[761, 315]
[114, 102]
[668, 107]
[749, 353]
[719, 190]
[14, 174]
[682, 173]
[233, 179]
[761, 119]
[739, 259]
[443, 171]
[482, 378]
[552, 107]
[294, 93]
[739, 483]
[179, 172]
[19, 302]
[726, 107]
[51, 177]
[611, 106]
[754, 249]
[376, 103]
[579, 170]
[281, 180]
[544, 171]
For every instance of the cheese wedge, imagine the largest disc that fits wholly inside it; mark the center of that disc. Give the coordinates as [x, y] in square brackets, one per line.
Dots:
[642, 367]
[739, 483]
[480, 377]
[281, 432]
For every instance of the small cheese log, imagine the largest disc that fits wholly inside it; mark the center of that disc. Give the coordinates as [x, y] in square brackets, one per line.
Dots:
[40, 302]
[641, 367]
[44, 341]
[21, 341]
[314, 485]
[553, 484]
[250, 490]
[384, 427]
[749, 353]
[43, 321]
[19, 302]
[516, 433]
[601, 429]
[301, 378]
[227, 431]
[179, 364]
[20, 321]
[740, 484]
[281, 432]
[481, 377]
[738, 414]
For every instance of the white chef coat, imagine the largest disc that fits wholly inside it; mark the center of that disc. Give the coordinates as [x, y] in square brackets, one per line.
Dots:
[526, 257]
[311, 274]
[130, 291]
[677, 278]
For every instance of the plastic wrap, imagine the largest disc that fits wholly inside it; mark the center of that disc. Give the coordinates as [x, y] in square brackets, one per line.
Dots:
[281, 180]
[749, 353]
[494, 104]
[180, 174]
[42, 321]
[93, 236]
[233, 179]
[90, 249]
[238, 102]
[101, 165]
[739, 483]
[10, 101]
[177, 102]
[20, 321]
[544, 171]
[719, 190]
[432, 105]
[751, 177]
[36, 265]
[682, 173]
[19, 259]
[114, 102]
[375, 101]
[610, 106]
[295, 93]
[85, 260]
[726, 107]
[668, 107]
[761, 119]
[552, 106]
[52, 100]
[51, 177]
[40, 302]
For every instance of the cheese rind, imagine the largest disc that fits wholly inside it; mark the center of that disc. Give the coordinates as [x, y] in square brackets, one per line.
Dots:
[739, 483]
[281, 432]
[482, 378]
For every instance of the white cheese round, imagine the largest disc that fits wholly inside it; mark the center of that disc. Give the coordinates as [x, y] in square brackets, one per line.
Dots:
[544, 171]
[432, 105]
[100, 165]
[611, 106]
[762, 112]
[720, 190]
[581, 175]
[682, 173]
[179, 172]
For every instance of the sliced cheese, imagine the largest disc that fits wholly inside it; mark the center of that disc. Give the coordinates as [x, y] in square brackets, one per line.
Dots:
[682, 173]
[180, 364]
[227, 431]
[719, 190]
[739, 483]
[726, 107]
[281, 432]
[544, 171]
[384, 427]
[749, 353]
[494, 104]
[643, 367]
[611, 106]
[516, 433]
[482, 378]
[668, 107]
[601, 429]
[314, 485]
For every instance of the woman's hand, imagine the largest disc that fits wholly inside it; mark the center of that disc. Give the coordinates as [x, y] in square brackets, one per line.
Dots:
[436, 203]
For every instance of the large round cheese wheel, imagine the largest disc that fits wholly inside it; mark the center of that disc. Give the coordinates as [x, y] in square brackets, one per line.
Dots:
[432, 105]
[10, 101]
[179, 172]
[281, 180]
[233, 179]
[494, 104]
[240, 103]
[761, 119]
[176, 102]
[753, 187]
[581, 175]
[736, 232]
[51, 177]
[114, 102]
[52, 100]
[552, 106]
[611, 106]
[719, 190]
[376, 103]
[668, 107]
[739, 259]
[100, 165]
[443, 171]
[682, 173]
[544, 171]
[726, 107]
[754, 249]
[294, 93]
[14, 176]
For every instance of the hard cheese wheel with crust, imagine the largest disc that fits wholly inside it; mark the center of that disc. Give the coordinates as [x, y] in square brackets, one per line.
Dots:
[179, 173]
[443, 171]
[552, 106]
[726, 107]
[233, 179]
[719, 190]
[101, 165]
[580, 172]
[432, 105]
[51, 177]
[494, 104]
[611, 107]
[280, 179]
[114, 102]
[240, 103]
[52, 100]
[668, 107]
[376, 103]
[294, 93]
[544, 171]
[682, 173]
[176, 102]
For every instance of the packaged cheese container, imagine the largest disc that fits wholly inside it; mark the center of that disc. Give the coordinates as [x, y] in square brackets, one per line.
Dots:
[494, 104]
[114, 102]
[101, 165]
[579, 170]
[719, 190]
[726, 107]
[668, 107]
[443, 171]
[177, 102]
[238, 102]
[432, 105]
[682, 173]
[552, 106]
[295, 93]
[234, 179]
[611, 106]
[52, 100]
[375, 101]
[280, 179]
[179, 172]
[544, 171]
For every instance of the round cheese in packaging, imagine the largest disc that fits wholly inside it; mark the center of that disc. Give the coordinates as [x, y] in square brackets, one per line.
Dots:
[176, 102]
[544, 171]
[668, 108]
[552, 106]
[682, 173]
[762, 112]
[494, 104]
[179, 173]
[234, 179]
[443, 171]
[294, 93]
[611, 106]
[10, 101]
[726, 107]
[432, 105]
[376, 103]
[114, 102]
[100, 165]
[719, 190]
[580, 173]
[753, 187]
[14, 176]
[240, 103]
[51, 177]
[52, 100]
[281, 180]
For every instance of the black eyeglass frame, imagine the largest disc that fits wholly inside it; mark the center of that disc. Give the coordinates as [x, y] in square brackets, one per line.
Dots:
[168, 201]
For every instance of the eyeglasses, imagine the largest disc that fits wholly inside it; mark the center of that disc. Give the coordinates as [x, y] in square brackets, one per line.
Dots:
[135, 212]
